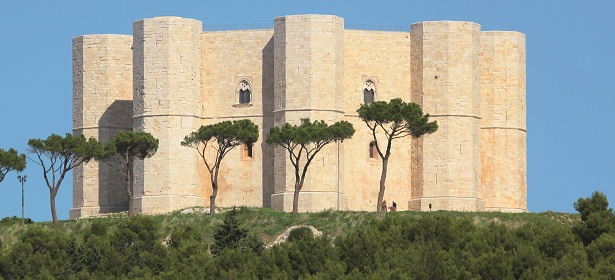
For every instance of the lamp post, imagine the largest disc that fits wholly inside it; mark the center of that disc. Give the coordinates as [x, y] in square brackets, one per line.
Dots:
[22, 180]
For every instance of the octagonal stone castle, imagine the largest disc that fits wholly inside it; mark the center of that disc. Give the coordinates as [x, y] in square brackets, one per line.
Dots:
[170, 77]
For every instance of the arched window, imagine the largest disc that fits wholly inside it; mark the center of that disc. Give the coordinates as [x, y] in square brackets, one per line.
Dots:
[244, 92]
[369, 91]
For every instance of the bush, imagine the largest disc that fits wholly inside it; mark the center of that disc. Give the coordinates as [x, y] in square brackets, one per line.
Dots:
[230, 235]
[596, 218]
[300, 233]
[8, 221]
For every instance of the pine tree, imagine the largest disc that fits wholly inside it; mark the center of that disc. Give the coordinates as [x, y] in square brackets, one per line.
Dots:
[230, 235]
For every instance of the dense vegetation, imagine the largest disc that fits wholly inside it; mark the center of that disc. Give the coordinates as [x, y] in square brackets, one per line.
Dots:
[397, 245]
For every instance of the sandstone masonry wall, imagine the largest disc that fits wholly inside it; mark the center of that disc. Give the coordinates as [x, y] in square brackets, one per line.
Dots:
[383, 57]
[308, 73]
[167, 104]
[170, 77]
[503, 125]
[102, 106]
[447, 86]
[228, 57]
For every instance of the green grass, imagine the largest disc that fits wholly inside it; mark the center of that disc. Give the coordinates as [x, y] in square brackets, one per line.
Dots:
[268, 224]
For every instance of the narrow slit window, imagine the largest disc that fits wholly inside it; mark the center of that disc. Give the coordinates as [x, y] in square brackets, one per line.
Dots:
[373, 153]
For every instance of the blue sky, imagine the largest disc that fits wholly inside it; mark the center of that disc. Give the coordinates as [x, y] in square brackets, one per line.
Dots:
[570, 74]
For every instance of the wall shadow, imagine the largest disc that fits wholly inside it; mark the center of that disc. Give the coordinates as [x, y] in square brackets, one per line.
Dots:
[267, 101]
[112, 195]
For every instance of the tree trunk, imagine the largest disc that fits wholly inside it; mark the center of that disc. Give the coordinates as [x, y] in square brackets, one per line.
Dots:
[129, 189]
[52, 200]
[298, 186]
[212, 198]
[383, 178]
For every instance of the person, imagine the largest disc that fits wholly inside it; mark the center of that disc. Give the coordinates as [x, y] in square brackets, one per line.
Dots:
[384, 205]
[394, 208]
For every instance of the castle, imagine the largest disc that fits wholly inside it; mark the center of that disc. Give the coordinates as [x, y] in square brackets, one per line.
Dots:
[170, 77]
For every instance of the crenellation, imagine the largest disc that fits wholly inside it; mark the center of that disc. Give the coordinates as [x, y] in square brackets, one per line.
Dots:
[170, 77]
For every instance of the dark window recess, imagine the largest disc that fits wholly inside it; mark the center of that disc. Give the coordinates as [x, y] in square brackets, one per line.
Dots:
[373, 152]
[244, 96]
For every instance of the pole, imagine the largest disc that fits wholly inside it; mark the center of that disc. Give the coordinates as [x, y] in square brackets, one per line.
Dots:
[22, 205]
[338, 175]
[22, 180]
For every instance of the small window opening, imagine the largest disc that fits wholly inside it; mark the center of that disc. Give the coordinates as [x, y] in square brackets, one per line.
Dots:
[246, 151]
[369, 92]
[373, 153]
[368, 96]
[244, 92]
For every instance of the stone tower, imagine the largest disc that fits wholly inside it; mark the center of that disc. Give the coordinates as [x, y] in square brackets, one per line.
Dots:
[445, 82]
[503, 130]
[167, 104]
[308, 75]
[102, 106]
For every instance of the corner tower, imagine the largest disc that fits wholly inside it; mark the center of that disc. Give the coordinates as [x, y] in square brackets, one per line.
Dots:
[309, 83]
[167, 104]
[446, 165]
[503, 124]
[102, 107]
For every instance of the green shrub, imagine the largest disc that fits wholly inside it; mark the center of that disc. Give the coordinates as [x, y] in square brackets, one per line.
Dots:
[300, 233]
[231, 235]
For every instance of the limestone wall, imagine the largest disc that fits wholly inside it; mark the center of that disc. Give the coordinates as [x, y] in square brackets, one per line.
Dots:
[445, 83]
[308, 66]
[308, 74]
[167, 104]
[102, 106]
[503, 124]
[383, 57]
[227, 58]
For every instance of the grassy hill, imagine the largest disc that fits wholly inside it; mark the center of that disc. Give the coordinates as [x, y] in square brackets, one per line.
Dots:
[191, 244]
[268, 224]
[237, 244]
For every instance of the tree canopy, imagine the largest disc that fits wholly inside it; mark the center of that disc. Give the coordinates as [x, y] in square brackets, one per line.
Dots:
[596, 218]
[57, 155]
[304, 141]
[232, 236]
[394, 119]
[222, 137]
[121, 152]
[11, 160]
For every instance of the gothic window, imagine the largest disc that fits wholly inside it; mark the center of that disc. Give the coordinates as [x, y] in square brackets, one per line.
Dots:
[369, 91]
[244, 92]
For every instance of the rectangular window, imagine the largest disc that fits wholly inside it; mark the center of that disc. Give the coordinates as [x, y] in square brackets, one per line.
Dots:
[244, 97]
[246, 152]
[373, 152]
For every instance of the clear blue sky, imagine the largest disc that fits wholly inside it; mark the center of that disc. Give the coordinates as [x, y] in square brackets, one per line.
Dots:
[570, 74]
